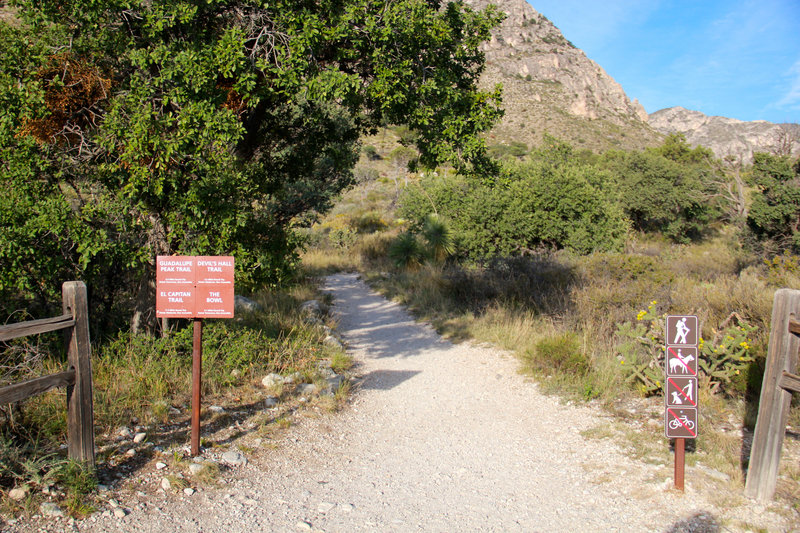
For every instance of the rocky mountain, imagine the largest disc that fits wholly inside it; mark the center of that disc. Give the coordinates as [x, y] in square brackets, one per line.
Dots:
[550, 86]
[727, 136]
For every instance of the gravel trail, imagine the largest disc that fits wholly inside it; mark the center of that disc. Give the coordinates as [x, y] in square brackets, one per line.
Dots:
[439, 437]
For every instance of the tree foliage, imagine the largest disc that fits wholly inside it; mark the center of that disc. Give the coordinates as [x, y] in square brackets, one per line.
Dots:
[774, 216]
[131, 128]
[663, 189]
[549, 202]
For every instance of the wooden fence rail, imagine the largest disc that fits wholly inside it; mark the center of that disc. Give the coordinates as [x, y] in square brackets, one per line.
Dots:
[776, 394]
[77, 378]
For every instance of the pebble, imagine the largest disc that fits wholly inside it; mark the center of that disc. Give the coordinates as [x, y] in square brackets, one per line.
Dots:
[50, 509]
[120, 513]
[325, 507]
[160, 465]
[165, 483]
[272, 380]
[131, 452]
[234, 458]
[346, 508]
[18, 493]
[270, 402]
[195, 468]
[216, 409]
[307, 389]
[139, 437]
[125, 432]
[188, 491]
[303, 526]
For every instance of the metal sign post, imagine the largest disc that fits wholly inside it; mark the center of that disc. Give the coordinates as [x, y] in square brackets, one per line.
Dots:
[195, 287]
[680, 387]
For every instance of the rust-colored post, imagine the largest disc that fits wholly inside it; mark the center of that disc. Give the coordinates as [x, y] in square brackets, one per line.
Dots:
[680, 462]
[197, 367]
[80, 413]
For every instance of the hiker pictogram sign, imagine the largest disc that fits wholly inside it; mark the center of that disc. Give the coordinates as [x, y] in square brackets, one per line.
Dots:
[681, 361]
[194, 286]
[681, 392]
[682, 330]
[681, 423]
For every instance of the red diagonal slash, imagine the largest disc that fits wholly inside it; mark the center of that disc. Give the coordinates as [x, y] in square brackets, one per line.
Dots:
[680, 389]
[692, 433]
[681, 360]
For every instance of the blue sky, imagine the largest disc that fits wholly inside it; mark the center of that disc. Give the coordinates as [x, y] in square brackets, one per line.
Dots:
[734, 58]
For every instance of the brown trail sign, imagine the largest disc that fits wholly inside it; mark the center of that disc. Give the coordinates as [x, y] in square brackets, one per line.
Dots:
[195, 287]
[680, 386]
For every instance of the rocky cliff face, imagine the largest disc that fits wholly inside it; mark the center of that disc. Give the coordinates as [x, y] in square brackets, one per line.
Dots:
[727, 136]
[551, 86]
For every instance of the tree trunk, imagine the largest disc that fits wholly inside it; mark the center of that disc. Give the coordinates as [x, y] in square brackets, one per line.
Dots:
[144, 319]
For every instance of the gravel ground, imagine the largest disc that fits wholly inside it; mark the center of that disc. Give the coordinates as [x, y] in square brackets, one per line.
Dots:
[438, 437]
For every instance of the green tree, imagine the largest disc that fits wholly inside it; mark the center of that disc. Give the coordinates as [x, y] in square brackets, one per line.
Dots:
[774, 217]
[659, 194]
[547, 202]
[132, 128]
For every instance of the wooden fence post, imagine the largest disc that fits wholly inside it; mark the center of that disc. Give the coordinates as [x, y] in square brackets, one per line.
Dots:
[773, 406]
[80, 416]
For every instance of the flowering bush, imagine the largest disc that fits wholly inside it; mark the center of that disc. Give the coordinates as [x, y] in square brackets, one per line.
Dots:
[640, 349]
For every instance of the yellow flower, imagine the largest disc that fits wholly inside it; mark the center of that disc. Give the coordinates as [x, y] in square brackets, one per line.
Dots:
[641, 315]
[737, 371]
[658, 383]
[622, 362]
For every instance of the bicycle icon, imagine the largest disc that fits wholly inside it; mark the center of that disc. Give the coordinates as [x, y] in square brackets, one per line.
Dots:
[683, 421]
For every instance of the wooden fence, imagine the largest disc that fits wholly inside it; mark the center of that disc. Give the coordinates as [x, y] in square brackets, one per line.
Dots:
[776, 394]
[77, 378]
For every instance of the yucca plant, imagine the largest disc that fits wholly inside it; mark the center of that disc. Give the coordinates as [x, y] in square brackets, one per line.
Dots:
[437, 235]
[405, 251]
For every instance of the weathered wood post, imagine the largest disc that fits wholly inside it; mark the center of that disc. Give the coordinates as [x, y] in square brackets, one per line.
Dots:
[773, 406]
[80, 416]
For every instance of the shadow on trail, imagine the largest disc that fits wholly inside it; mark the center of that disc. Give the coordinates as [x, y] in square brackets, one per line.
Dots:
[701, 522]
[386, 379]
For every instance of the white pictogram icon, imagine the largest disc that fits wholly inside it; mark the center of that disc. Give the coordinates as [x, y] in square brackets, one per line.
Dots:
[681, 329]
[680, 363]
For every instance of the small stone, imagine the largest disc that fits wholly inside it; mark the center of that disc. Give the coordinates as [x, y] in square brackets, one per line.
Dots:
[241, 303]
[270, 402]
[325, 507]
[165, 483]
[303, 526]
[131, 452]
[125, 432]
[160, 465]
[291, 379]
[311, 308]
[272, 380]
[50, 509]
[18, 493]
[174, 411]
[333, 342]
[139, 437]
[120, 513]
[216, 409]
[346, 508]
[113, 503]
[306, 389]
[103, 487]
[234, 458]
[188, 491]
[195, 468]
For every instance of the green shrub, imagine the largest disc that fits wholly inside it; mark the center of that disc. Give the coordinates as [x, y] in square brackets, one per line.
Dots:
[532, 206]
[559, 354]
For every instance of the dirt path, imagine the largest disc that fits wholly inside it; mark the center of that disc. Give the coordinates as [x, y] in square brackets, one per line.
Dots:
[439, 437]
